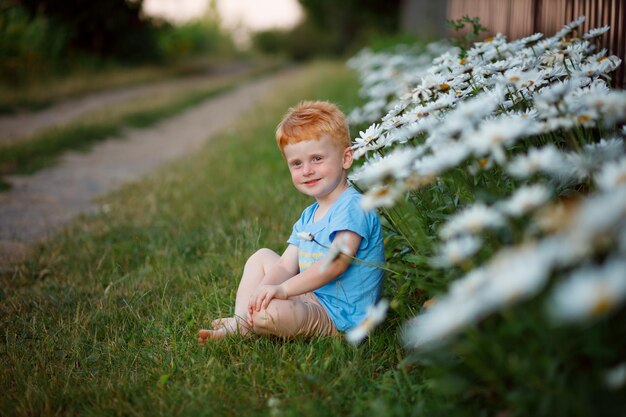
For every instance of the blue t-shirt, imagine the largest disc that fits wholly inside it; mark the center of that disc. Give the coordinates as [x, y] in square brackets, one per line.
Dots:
[347, 297]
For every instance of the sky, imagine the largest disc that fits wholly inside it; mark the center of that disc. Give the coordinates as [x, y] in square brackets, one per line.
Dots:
[239, 16]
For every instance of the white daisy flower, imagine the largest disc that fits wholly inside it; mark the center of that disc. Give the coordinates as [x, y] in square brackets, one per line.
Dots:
[523, 79]
[598, 216]
[526, 199]
[615, 378]
[547, 43]
[554, 73]
[450, 127]
[421, 93]
[414, 114]
[441, 320]
[610, 105]
[472, 219]
[449, 155]
[546, 159]
[589, 292]
[305, 236]
[498, 66]
[495, 135]
[360, 152]
[550, 95]
[612, 175]
[456, 251]
[569, 27]
[370, 134]
[470, 285]
[374, 107]
[576, 51]
[532, 38]
[337, 248]
[515, 274]
[594, 155]
[594, 33]
[477, 108]
[357, 116]
[555, 122]
[375, 315]
[444, 101]
[394, 166]
[553, 58]
[399, 134]
[381, 196]
[512, 275]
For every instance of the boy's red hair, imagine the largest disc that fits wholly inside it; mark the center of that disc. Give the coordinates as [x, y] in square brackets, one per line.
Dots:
[312, 120]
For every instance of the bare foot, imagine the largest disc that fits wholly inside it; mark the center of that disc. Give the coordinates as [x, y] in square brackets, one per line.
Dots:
[225, 322]
[221, 328]
[204, 335]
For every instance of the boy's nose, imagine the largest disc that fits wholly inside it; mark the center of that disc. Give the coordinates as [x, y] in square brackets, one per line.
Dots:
[308, 169]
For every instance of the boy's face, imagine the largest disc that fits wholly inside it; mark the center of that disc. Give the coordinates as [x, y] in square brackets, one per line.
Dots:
[317, 167]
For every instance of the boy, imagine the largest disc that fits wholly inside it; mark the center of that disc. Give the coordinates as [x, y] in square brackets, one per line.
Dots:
[299, 293]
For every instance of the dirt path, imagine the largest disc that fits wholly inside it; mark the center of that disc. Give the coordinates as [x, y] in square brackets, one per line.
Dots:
[38, 205]
[16, 126]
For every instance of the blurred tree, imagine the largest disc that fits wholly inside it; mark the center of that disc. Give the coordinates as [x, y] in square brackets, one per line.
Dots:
[350, 21]
[111, 28]
[28, 45]
[305, 41]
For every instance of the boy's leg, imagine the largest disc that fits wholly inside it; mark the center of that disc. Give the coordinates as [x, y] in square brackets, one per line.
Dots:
[253, 272]
[302, 315]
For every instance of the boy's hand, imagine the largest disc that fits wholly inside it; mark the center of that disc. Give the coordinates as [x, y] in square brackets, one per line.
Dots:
[263, 295]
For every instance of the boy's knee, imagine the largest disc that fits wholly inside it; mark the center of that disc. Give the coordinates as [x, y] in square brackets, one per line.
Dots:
[260, 255]
[263, 252]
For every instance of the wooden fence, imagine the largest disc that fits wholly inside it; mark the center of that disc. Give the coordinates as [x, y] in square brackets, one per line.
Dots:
[519, 18]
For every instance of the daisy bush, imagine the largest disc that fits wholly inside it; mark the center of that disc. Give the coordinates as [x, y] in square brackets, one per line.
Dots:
[500, 174]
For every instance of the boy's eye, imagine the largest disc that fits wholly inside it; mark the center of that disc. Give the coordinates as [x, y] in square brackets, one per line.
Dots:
[296, 163]
[317, 158]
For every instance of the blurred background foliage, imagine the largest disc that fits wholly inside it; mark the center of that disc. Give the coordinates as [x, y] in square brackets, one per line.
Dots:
[112, 28]
[43, 38]
[331, 30]
[40, 39]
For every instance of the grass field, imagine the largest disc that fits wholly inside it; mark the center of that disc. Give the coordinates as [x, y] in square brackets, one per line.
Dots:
[102, 321]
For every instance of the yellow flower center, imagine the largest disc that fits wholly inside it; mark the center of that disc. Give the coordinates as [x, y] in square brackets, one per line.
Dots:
[382, 192]
[414, 182]
[601, 306]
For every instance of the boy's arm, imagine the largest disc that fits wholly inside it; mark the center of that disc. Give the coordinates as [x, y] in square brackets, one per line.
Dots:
[314, 277]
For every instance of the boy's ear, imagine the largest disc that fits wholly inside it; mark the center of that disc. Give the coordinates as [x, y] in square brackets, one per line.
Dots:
[348, 154]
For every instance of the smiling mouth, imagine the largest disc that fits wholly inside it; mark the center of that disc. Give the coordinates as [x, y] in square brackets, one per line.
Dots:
[311, 182]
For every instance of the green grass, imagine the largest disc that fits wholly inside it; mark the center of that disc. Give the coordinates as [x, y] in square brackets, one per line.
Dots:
[42, 149]
[102, 320]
